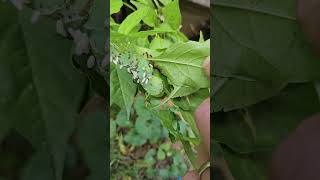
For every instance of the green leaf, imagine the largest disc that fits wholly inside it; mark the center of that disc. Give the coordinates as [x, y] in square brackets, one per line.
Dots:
[115, 6]
[98, 15]
[165, 2]
[182, 65]
[265, 36]
[13, 59]
[147, 2]
[164, 173]
[174, 172]
[159, 43]
[181, 91]
[189, 119]
[122, 88]
[216, 150]
[131, 21]
[113, 129]
[190, 153]
[93, 137]
[140, 108]
[134, 138]
[141, 126]
[38, 167]
[50, 4]
[122, 119]
[172, 15]
[40, 79]
[149, 157]
[251, 166]
[165, 147]
[201, 39]
[150, 17]
[144, 34]
[59, 97]
[177, 159]
[191, 102]
[161, 155]
[98, 40]
[273, 120]
[166, 118]
[229, 93]
[7, 91]
[5, 126]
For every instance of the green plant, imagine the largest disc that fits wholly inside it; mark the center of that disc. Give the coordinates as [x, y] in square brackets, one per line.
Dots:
[140, 148]
[44, 50]
[153, 59]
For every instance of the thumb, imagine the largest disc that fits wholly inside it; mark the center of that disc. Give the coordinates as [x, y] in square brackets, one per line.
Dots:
[192, 175]
[206, 66]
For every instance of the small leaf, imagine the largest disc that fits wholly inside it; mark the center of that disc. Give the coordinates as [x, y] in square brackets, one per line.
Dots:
[149, 157]
[131, 21]
[134, 138]
[122, 119]
[201, 39]
[188, 117]
[159, 43]
[161, 155]
[115, 6]
[165, 147]
[150, 17]
[99, 14]
[172, 15]
[122, 88]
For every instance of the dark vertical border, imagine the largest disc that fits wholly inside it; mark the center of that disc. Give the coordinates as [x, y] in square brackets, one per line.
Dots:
[108, 90]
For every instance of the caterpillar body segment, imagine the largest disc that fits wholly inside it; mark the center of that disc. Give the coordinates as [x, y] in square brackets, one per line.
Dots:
[126, 57]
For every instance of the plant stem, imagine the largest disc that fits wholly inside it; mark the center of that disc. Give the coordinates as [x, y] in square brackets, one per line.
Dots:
[157, 4]
[129, 6]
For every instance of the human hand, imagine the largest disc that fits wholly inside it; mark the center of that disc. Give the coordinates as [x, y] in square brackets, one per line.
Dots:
[202, 116]
[297, 157]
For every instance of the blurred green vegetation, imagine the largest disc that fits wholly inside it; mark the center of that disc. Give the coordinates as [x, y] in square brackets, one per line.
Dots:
[140, 146]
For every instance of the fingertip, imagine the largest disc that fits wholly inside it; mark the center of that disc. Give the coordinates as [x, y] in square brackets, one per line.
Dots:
[202, 113]
[206, 66]
[192, 175]
[202, 117]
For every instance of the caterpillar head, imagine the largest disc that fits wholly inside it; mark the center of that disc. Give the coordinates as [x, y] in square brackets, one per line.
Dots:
[155, 86]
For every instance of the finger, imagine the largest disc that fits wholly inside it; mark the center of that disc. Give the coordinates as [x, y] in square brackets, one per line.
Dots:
[202, 115]
[192, 175]
[203, 155]
[206, 175]
[300, 151]
[206, 66]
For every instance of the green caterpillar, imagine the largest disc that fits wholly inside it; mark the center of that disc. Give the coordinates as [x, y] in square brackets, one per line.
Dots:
[126, 57]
